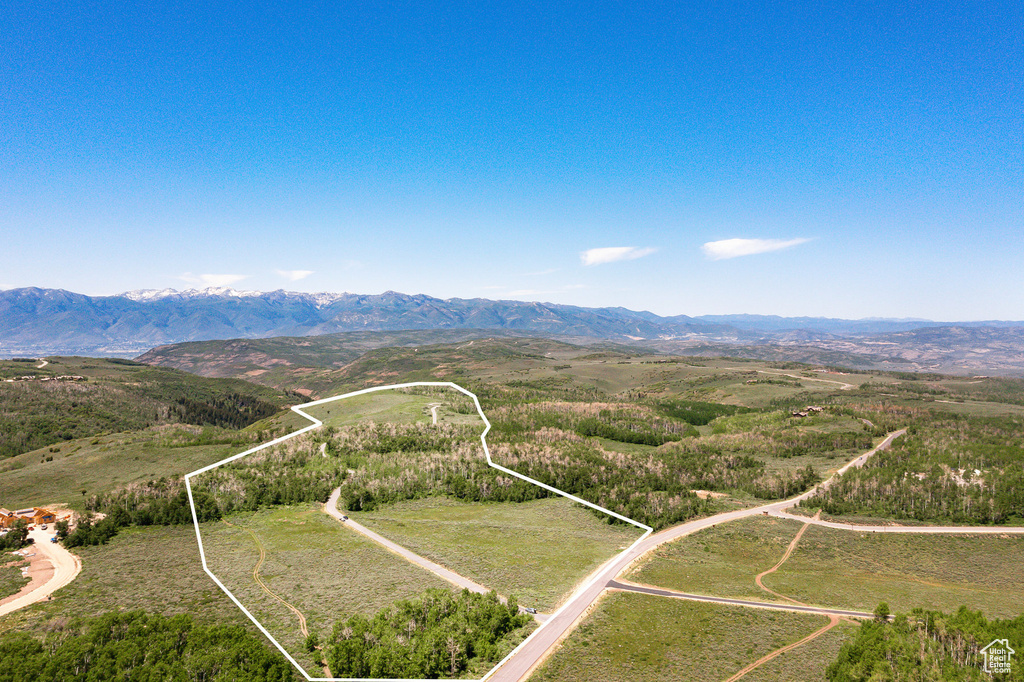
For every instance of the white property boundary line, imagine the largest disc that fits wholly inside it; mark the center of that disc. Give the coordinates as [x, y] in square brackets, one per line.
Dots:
[483, 440]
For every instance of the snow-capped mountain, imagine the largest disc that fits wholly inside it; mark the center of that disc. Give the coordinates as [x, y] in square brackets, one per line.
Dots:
[54, 321]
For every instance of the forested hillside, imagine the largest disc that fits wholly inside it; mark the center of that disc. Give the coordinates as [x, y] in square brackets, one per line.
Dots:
[140, 646]
[948, 468]
[78, 397]
[435, 635]
[927, 645]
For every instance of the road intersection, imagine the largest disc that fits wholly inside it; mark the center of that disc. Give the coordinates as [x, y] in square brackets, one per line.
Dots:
[544, 641]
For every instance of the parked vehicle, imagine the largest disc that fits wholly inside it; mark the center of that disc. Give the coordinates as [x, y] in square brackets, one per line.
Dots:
[43, 526]
[529, 609]
[53, 539]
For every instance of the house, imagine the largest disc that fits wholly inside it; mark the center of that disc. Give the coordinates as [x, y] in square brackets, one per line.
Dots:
[997, 655]
[7, 518]
[36, 515]
[41, 515]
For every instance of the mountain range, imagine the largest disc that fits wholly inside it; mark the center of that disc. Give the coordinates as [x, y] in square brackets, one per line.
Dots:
[39, 322]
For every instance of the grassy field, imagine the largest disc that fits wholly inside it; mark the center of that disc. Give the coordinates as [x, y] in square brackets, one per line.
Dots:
[536, 550]
[155, 568]
[857, 571]
[11, 579]
[97, 465]
[638, 638]
[844, 569]
[721, 561]
[396, 407]
[808, 661]
[972, 407]
[314, 563]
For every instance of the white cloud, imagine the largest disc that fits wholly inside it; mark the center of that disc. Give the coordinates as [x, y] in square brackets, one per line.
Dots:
[294, 275]
[733, 248]
[611, 254]
[212, 280]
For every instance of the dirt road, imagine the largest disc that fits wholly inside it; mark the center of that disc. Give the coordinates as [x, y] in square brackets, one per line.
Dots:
[66, 567]
[627, 586]
[536, 648]
[542, 642]
[925, 530]
[843, 386]
[331, 507]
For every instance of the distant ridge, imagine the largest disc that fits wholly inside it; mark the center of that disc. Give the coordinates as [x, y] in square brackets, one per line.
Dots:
[36, 322]
[54, 321]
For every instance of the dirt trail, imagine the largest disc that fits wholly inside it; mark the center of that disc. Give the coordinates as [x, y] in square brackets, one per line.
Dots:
[534, 651]
[832, 622]
[259, 581]
[789, 550]
[833, 619]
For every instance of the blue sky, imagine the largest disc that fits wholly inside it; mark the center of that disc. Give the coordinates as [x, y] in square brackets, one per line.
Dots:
[865, 159]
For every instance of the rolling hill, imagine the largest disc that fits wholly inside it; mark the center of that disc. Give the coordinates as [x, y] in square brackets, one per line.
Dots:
[38, 322]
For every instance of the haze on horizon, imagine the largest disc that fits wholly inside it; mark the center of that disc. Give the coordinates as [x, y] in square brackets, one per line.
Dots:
[812, 159]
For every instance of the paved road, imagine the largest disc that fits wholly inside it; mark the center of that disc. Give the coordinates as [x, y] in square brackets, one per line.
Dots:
[537, 647]
[543, 641]
[66, 567]
[659, 592]
[331, 507]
